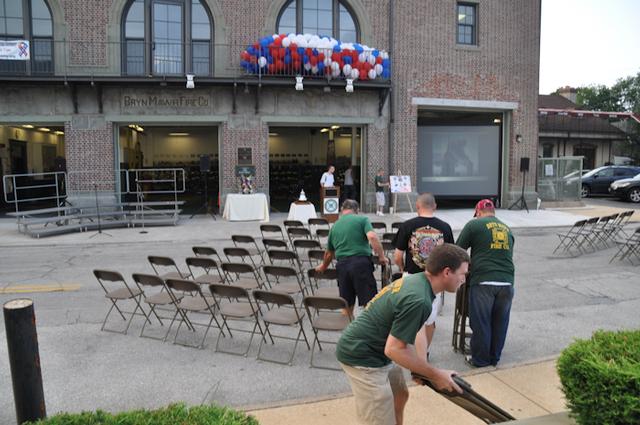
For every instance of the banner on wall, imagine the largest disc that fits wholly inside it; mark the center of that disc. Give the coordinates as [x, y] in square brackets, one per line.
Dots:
[14, 50]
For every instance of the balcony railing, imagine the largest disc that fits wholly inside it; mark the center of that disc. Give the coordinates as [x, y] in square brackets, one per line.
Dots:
[139, 58]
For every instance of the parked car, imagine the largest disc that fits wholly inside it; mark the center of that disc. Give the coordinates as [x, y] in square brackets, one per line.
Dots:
[598, 180]
[627, 189]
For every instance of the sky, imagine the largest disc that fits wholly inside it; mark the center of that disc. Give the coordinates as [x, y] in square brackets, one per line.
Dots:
[586, 42]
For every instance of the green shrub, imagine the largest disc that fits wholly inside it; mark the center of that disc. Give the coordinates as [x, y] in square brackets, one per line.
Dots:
[601, 378]
[175, 414]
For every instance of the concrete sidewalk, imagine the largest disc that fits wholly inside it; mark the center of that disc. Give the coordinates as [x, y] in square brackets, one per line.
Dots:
[524, 391]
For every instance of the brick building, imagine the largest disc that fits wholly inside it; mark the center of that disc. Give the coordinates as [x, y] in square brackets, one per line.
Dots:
[457, 114]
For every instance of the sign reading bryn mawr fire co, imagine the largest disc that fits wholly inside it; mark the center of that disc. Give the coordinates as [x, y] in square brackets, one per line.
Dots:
[172, 103]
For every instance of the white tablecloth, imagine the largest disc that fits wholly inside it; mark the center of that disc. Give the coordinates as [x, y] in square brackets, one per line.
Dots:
[302, 212]
[238, 207]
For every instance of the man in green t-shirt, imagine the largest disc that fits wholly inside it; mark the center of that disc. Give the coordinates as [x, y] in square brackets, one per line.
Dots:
[383, 337]
[350, 241]
[491, 283]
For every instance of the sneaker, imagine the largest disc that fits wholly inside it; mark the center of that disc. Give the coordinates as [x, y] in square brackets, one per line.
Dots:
[469, 361]
[381, 214]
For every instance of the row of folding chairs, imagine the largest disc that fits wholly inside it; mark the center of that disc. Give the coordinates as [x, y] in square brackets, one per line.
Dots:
[592, 234]
[226, 307]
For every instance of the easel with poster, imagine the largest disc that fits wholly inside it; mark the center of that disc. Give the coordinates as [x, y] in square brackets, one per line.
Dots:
[400, 185]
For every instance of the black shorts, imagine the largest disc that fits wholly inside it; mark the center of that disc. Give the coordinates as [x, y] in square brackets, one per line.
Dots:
[355, 278]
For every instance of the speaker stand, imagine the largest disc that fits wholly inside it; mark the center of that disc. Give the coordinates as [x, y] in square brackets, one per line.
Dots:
[205, 207]
[521, 202]
[99, 232]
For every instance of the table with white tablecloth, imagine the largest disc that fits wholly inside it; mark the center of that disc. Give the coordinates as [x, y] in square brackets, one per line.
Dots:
[250, 207]
[302, 211]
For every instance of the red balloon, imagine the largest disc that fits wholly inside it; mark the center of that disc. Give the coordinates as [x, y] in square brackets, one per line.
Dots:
[308, 51]
[256, 46]
[379, 60]
[321, 56]
[367, 66]
[280, 65]
[295, 56]
[335, 57]
[296, 64]
[245, 55]
[313, 60]
[293, 46]
[272, 68]
[253, 59]
[278, 42]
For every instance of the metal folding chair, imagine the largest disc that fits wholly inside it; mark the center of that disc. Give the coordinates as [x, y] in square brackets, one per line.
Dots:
[207, 251]
[188, 298]
[271, 231]
[326, 314]
[116, 289]
[293, 223]
[570, 238]
[395, 226]
[164, 266]
[281, 310]
[303, 246]
[209, 270]
[241, 274]
[284, 279]
[379, 226]
[242, 253]
[298, 233]
[234, 303]
[628, 248]
[329, 277]
[275, 244]
[159, 298]
[250, 244]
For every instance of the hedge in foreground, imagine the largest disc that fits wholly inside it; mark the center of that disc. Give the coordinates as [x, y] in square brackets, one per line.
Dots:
[601, 378]
[175, 414]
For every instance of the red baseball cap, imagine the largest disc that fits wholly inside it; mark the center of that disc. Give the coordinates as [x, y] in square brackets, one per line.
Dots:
[484, 204]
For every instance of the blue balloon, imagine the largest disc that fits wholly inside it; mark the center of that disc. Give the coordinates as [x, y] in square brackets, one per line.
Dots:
[265, 42]
[301, 50]
[386, 73]
[270, 59]
[315, 52]
[337, 48]
[358, 48]
[320, 66]
[287, 59]
[348, 59]
[386, 63]
[375, 53]
[305, 59]
[251, 50]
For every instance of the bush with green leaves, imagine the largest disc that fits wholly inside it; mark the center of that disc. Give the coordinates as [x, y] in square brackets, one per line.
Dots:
[175, 414]
[601, 378]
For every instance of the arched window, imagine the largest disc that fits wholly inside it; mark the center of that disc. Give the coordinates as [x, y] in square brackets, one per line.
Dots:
[167, 37]
[322, 17]
[16, 25]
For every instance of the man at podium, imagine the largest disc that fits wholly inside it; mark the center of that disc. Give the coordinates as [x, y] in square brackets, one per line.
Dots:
[327, 178]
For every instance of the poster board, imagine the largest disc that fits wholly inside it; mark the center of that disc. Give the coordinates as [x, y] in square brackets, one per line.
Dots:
[400, 184]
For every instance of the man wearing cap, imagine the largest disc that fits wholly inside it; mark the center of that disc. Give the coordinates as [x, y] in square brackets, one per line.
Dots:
[491, 282]
[350, 241]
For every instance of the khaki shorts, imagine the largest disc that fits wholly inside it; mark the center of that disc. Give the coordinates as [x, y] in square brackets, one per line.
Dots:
[373, 389]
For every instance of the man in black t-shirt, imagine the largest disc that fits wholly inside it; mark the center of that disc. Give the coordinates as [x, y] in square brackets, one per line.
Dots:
[415, 240]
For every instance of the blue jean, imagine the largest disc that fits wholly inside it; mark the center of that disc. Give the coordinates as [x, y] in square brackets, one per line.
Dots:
[489, 309]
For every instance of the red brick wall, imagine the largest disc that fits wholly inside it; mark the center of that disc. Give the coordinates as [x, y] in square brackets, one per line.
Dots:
[86, 31]
[89, 149]
[238, 134]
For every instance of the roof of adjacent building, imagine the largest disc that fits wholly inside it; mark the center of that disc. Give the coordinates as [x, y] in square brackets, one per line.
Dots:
[555, 101]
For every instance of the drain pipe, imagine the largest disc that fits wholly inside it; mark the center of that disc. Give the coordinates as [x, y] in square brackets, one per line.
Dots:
[391, 124]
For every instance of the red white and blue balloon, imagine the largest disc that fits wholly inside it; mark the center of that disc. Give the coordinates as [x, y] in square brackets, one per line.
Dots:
[313, 55]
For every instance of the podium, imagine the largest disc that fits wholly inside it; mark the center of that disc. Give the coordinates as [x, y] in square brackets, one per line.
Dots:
[330, 202]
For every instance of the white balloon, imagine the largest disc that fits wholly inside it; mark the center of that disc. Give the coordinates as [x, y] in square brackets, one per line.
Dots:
[346, 70]
[378, 69]
[362, 57]
[308, 36]
[262, 61]
[335, 72]
[371, 59]
[314, 41]
[286, 42]
[372, 74]
[314, 69]
[355, 73]
[307, 66]
[384, 55]
[335, 66]
[275, 36]
[328, 62]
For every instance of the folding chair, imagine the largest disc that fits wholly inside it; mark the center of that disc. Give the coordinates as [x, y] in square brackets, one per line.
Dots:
[284, 279]
[571, 237]
[303, 246]
[162, 264]
[281, 311]
[248, 243]
[298, 233]
[160, 298]
[242, 275]
[623, 220]
[326, 314]
[107, 279]
[385, 271]
[322, 234]
[315, 256]
[389, 236]
[611, 227]
[206, 266]
[330, 276]
[292, 223]
[234, 303]
[599, 232]
[274, 244]
[271, 230]
[628, 248]
[319, 223]
[395, 226]
[206, 251]
[196, 302]
[379, 226]
[584, 234]
[242, 253]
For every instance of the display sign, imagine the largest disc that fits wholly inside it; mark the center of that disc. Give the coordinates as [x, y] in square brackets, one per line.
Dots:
[330, 205]
[244, 156]
[400, 184]
[16, 50]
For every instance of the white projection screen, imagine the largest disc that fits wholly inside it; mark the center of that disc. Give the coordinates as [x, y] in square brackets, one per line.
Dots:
[459, 161]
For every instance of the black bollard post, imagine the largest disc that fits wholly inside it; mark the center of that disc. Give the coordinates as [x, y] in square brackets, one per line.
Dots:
[24, 360]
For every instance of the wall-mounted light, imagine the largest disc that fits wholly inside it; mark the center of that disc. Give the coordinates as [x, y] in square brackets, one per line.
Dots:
[518, 138]
[190, 83]
[27, 126]
[324, 130]
[45, 129]
[497, 120]
[273, 134]
[299, 85]
[59, 133]
[335, 127]
[349, 87]
[178, 134]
